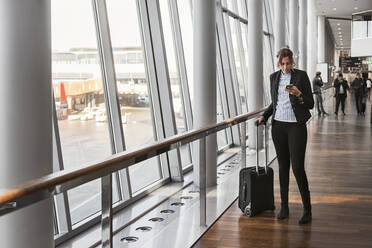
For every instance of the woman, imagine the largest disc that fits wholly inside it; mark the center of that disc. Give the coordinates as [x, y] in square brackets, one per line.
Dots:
[292, 98]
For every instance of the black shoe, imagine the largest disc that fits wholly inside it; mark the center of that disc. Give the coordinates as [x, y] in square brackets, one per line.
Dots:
[336, 113]
[325, 113]
[283, 214]
[306, 218]
[343, 112]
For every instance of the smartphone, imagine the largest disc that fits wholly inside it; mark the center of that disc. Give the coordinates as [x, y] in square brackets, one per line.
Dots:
[289, 86]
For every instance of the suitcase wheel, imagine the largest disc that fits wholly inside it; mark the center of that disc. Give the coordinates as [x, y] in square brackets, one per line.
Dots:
[247, 210]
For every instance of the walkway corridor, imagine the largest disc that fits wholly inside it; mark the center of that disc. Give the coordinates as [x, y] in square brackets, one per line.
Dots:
[339, 167]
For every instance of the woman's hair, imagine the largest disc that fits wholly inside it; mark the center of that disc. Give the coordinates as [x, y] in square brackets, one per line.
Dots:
[284, 52]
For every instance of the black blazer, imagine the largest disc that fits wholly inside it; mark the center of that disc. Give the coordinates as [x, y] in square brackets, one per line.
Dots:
[336, 85]
[300, 107]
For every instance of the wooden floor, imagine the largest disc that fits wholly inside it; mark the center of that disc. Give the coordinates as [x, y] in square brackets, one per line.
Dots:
[339, 168]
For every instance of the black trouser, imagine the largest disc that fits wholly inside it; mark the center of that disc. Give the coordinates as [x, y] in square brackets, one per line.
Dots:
[340, 98]
[319, 103]
[358, 102]
[290, 144]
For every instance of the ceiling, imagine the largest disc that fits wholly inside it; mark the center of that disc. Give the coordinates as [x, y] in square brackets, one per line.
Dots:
[341, 29]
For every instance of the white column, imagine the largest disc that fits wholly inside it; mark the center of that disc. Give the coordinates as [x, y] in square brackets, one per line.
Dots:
[312, 38]
[255, 64]
[205, 106]
[279, 24]
[321, 39]
[302, 41]
[336, 59]
[293, 28]
[26, 118]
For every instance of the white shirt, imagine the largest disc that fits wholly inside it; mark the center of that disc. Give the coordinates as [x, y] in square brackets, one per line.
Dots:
[284, 111]
[369, 83]
[342, 91]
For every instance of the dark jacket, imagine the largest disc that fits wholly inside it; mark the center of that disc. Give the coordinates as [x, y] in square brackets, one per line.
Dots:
[336, 85]
[317, 85]
[300, 107]
[359, 86]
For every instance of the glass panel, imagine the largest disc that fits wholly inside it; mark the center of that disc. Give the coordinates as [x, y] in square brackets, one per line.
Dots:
[244, 29]
[267, 68]
[270, 10]
[133, 92]
[185, 15]
[79, 97]
[221, 135]
[178, 105]
[236, 56]
[230, 5]
[55, 224]
[241, 8]
[369, 28]
[265, 24]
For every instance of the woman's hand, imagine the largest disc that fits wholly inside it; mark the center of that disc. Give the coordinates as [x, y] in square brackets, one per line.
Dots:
[260, 120]
[293, 91]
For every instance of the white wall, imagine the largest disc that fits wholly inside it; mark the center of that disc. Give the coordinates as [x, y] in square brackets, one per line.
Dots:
[361, 47]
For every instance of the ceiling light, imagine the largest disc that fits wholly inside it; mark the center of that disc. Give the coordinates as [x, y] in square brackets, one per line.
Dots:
[355, 8]
[334, 9]
[338, 24]
[339, 32]
[338, 28]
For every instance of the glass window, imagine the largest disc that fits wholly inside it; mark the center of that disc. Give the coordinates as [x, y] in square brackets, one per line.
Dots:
[79, 97]
[185, 15]
[241, 8]
[236, 57]
[133, 90]
[269, 6]
[267, 68]
[230, 5]
[178, 105]
[221, 135]
[244, 29]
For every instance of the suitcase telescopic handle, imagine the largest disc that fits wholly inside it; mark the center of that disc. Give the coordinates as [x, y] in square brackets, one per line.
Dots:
[258, 151]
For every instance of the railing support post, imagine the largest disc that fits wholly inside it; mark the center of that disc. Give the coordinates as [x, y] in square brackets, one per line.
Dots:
[203, 181]
[106, 218]
[243, 143]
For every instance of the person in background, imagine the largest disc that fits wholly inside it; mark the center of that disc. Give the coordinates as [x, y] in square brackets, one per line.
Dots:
[317, 89]
[291, 100]
[369, 84]
[359, 88]
[341, 86]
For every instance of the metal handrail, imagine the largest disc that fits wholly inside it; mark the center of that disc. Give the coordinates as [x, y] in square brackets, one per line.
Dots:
[44, 187]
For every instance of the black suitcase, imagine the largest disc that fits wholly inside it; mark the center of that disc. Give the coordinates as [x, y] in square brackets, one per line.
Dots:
[256, 186]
